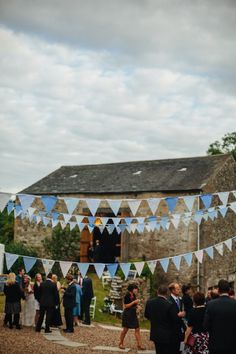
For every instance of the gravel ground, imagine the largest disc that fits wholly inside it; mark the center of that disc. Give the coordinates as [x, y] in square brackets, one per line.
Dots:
[27, 341]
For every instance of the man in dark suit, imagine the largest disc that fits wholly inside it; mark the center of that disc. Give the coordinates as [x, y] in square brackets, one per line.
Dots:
[220, 321]
[87, 295]
[69, 302]
[162, 315]
[48, 298]
[179, 328]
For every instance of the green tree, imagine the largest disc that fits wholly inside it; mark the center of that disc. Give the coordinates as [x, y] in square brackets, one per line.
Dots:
[6, 227]
[63, 245]
[227, 145]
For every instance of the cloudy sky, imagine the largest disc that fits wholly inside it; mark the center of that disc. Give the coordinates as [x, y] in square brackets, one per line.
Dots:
[101, 81]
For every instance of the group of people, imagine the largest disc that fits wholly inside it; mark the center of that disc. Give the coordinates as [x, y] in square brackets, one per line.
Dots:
[44, 298]
[192, 324]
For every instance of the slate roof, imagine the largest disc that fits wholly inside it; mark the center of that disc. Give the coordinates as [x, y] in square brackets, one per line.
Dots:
[169, 175]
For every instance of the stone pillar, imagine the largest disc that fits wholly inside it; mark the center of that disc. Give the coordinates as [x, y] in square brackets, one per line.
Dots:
[2, 250]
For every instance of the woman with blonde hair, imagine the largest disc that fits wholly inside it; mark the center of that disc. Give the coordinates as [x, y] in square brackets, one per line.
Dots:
[13, 294]
[28, 313]
[56, 315]
[37, 282]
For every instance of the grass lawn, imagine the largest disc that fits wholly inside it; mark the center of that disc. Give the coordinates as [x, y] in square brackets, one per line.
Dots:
[100, 293]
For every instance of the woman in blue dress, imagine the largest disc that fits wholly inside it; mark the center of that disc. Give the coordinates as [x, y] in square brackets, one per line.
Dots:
[77, 308]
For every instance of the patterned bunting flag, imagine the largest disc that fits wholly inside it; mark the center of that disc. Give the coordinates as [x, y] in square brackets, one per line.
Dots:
[139, 267]
[199, 255]
[47, 265]
[152, 265]
[220, 248]
[65, 267]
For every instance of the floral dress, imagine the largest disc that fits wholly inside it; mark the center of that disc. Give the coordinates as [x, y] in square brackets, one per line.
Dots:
[195, 321]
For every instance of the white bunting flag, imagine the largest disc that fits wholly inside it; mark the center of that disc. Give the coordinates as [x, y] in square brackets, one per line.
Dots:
[115, 205]
[72, 225]
[152, 265]
[71, 204]
[26, 200]
[199, 255]
[99, 267]
[134, 205]
[233, 207]
[65, 267]
[4, 199]
[115, 221]
[228, 243]
[175, 221]
[153, 204]
[31, 211]
[93, 205]
[189, 201]
[63, 224]
[223, 196]
[133, 227]
[54, 223]
[79, 218]
[139, 267]
[220, 248]
[176, 260]
[66, 217]
[10, 259]
[47, 265]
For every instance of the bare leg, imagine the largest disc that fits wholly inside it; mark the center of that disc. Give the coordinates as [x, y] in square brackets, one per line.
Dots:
[138, 338]
[122, 337]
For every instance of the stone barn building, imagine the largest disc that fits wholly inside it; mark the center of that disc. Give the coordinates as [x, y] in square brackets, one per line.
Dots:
[142, 180]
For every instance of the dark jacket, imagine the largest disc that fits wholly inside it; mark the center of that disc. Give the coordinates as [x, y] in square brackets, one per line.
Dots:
[13, 292]
[69, 297]
[162, 315]
[36, 291]
[219, 321]
[87, 289]
[48, 294]
[179, 329]
[187, 304]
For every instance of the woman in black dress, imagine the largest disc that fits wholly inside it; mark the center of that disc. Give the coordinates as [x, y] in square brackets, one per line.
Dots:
[129, 317]
[199, 341]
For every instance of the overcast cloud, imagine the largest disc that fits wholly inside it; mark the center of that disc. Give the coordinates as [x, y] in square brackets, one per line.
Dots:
[100, 81]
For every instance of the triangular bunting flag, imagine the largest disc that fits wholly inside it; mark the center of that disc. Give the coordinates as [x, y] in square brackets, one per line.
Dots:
[83, 267]
[38, 219]
[139, 267]
[63, 224]
[93, 205]
[65, 267]
[71, 204]
[188, 258]
[26, 200]
[54, 223]
[104, 220]
[99, 267]
[115, 205]
[10, 207]
[223, 196]
[49, 202]
[91, 228]
[186, 221]
[223, 210]
[212, 215]
[189, 201]
[152, 265]
[66, 217]
[228, 243]
[133, 227]
[134, 205]
[47, 265]
[171, 202]
[31, 211]
[110, 228]
[79, 218]
[163, 222]
[210, 251]
[4, 199]
[122, 227]
[199, 255]
[72, 225]
[165, 263]
[220, 248]
[81, 226]
[176, 260]
[206, 199]
[112, 268]
[17, 211]
[233, 206]
[116, 221]
[10, 259]
[125, 268]
[153, 204]
[101, 228]
[46, 221]
[29, 262]
[140, 228]
[175, 222]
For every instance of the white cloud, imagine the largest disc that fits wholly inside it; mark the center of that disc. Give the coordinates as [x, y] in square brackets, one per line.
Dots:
[111, 83]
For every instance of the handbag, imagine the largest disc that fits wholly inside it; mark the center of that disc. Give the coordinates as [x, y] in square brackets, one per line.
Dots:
[191, 340]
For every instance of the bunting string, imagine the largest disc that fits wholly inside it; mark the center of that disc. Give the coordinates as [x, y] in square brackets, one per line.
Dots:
[112, 268]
